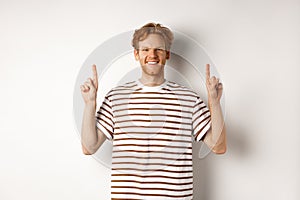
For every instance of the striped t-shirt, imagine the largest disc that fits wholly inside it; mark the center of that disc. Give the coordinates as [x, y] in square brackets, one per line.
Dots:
[152, 129]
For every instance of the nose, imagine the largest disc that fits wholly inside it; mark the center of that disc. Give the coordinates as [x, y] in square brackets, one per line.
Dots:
[152, 52]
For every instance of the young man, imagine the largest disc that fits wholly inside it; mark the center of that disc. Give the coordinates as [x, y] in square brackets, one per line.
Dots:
[151, 122]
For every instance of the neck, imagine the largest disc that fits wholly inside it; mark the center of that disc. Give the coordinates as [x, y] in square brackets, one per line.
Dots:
[152, 81]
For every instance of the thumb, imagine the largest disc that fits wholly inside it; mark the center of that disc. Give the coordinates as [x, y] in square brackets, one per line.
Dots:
[220, 90]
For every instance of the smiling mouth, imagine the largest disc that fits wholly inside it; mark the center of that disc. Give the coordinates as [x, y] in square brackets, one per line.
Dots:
[152, 62]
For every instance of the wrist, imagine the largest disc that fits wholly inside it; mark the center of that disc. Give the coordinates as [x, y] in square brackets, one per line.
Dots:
[90, 104]
[214, 103]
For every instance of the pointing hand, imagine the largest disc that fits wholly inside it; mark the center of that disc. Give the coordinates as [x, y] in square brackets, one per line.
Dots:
[213, 86]
[90, 87]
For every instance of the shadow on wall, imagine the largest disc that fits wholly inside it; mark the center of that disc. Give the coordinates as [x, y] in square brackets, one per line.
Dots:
[237, 148]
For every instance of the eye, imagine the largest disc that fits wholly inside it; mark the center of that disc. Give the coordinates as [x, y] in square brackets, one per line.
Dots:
[145, 49]
[160, 50]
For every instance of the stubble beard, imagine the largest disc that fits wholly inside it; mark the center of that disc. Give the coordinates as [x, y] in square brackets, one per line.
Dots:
[153, 72]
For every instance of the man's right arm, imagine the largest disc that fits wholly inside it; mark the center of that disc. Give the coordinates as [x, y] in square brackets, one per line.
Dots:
[91, 137]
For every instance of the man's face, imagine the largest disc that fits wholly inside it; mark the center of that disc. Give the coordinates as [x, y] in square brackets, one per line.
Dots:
[152, 55]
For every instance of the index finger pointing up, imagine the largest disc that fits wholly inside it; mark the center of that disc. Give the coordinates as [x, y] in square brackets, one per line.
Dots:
[207, 72]
[95, 75]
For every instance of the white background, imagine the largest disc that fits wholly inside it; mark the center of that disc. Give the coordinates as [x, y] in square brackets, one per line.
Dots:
[255, 45]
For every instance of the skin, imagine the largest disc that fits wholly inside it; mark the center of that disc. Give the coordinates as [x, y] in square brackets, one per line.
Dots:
[152, 49]
[215, 138]
[91, 137]
[152, 57]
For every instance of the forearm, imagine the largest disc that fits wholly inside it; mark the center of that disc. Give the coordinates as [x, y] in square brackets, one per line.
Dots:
[217, 134]
[89, 135]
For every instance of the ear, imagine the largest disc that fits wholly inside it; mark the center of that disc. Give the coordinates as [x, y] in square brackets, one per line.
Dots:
[168, 55]
[136, 54]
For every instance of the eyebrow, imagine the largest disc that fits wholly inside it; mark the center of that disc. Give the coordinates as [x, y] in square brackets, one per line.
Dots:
[159, 47]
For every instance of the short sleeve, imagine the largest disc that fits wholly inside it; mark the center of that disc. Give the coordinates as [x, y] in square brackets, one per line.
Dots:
[105, 119]
[201, 121]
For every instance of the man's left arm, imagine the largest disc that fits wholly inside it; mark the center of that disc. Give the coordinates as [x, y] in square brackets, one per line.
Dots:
[215, 138]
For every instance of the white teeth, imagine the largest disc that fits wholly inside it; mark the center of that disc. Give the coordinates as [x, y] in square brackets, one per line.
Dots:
[152, 63]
